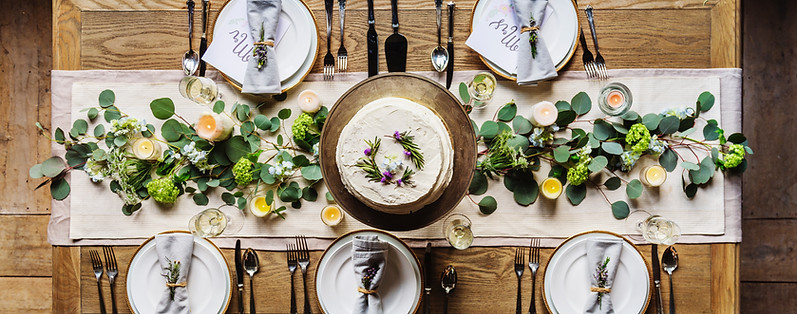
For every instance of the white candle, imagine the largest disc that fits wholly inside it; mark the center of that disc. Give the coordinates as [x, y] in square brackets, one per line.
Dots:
[214, 127]
[551, 188]
[653, 176]
[543, 114]
[309, 101]
[331, 215]
[146, 149]
[259, 207]
[615, 99]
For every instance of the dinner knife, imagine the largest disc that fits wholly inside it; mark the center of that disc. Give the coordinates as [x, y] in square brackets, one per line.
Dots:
[203, 44]
[239, 275]
[450, 70]
[427, 268]
[657, 277]
[372, 42]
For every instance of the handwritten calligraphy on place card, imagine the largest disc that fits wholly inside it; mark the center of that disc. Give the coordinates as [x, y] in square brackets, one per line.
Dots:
[230, 52]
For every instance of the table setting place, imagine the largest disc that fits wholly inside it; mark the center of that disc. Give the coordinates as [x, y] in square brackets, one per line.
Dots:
[376, 187]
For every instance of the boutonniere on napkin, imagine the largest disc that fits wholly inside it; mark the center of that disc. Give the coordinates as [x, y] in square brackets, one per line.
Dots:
[174, 255]
[262, 75]
[603, 256]
[534, 62]
[369, 255]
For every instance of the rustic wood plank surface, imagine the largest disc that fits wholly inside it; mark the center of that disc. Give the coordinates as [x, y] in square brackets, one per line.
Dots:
[108, 34]
[23, 241]
[26, 294]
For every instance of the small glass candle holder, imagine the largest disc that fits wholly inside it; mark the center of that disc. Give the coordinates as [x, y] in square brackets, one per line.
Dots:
[331, 215]
[481, 89]
[653, 176]
[259, 207]
[551, 188]
[146, 149]
[201, 90]
[615, 99]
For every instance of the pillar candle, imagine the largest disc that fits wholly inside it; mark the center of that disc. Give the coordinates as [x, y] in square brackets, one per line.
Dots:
[146, 149]
[309, 101]
[544, 114]
[214, 127]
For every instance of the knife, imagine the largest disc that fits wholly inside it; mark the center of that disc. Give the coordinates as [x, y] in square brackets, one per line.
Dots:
[450, 70]
[203, 44]
[396, 45]
[239, 275]
[427, 267]
[373, 42]
[657, 277]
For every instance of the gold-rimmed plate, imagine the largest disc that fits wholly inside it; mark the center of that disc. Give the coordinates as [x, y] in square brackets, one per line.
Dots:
[420, 90]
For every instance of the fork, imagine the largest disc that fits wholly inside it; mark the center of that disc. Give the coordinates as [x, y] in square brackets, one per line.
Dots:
[534, 264]
[600, 64]
[96, 263]
[519, 261]
[329, 60]
[111, 271]
[343, 56]
[304, 262]
[587, 58]
[292, 263]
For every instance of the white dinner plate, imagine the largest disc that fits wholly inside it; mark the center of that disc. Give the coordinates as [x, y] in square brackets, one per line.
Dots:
[560, 30]
[566, 283]
[209, 279]
[297, 49]
[336, 285]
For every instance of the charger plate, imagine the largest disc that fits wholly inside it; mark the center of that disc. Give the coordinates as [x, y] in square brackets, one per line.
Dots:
[425, 92]
[566, 279]
[336, 286]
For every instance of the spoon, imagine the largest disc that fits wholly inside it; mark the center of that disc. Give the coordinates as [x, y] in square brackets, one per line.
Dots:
[669, 262]
[251, 264]
[448, 281]
[191, 58]
[439, 54]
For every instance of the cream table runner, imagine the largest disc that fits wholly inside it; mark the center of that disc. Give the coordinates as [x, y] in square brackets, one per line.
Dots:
[91, 215]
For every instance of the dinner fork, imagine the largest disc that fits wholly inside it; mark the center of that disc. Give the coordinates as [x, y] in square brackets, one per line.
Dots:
[111, 271]
[534, 264]
[304, 262]
[600, 64]
[329, 60]
[96, 263]
[587, 58]
[519, 266]
[292, 263]
[343, 56]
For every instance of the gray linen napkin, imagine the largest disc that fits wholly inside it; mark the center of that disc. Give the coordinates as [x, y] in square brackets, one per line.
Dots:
[531, 70]
[263, 17]
[175, 247]
[369, 255]
[598, 250]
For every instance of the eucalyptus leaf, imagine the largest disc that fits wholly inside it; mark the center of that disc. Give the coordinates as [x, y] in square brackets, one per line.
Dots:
[300, 161]
[242, 112]
[463, 93]
[706, 101]
[200, 199]
[686, 124]
[478, 185]
[93, 113]
[488, 205]
[737, 138]
[162, 108]
[218, 107]
[284, 113]
[241, 203]
[669, 125]
[602, 130]
[275, 124]
[475, 128]
[522, 125]
[576, 193]
[651, 121]
[630, 116]
[171, 130]
[280, 140]
[525, 194]
[52, 166]
[213, 183]
[120, 141]
[668, 160]
[620, 209]
[35, 171]
[236, 148]
[613, 148]
[329, 197]
[228, 198]
[620, 128]
[597, 163]
[634, 189]
[99, 130]
[581, 103]
[612, 183]
[710, 131]
[59, 189]
[265, 176]
[561, 154]
[262, 122]
[489, 130]
[690, 190]
[687, 132]
[309, 194]
[128, 210]
[112, 113]
[107, 98]
[80, 127]
[565, 117]
[690, 165]
[518, 142]
[507, 112]
[59, 136]
[312, 172]
[562, 106]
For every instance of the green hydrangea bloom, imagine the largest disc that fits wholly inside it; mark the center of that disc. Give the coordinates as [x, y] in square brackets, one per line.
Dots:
[578, 174]
[163, 190]
[242, 171]
[734, 156]
[302, 125]
[638, 138]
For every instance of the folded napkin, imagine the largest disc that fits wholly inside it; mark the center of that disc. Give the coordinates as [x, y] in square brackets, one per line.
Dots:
[603, 255]
[369, 255]
[262, 76]
[532, 65]
[174, 254]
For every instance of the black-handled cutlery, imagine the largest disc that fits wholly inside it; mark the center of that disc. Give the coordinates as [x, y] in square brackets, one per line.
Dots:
[396, 45]
[450, 69]
[372, 42]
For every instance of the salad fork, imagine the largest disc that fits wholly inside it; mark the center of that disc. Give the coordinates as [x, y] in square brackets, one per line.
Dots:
[519, 266]
[342, 54]
[587, 58]
[534, 264]
[292, 264]
[600, 64]
[96, 264]
[304, 262]
[111, 271]
[329, 60]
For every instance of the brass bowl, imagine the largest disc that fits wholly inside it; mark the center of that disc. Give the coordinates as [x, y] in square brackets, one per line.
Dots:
[423, 91]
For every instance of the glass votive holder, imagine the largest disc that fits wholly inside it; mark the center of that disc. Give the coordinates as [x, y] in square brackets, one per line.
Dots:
[331, 215]
[653, 176]
[615, 99]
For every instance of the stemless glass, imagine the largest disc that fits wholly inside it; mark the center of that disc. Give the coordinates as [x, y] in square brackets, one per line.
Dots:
[199, 89]
[456, 229]
[213, 222]
[654, 228]
[481, 89]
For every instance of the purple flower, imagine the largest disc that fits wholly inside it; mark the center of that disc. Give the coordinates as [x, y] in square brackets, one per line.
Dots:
[383, 180]
[397, 135]
[399, 182]
[407, 153]
[367, 151]
[387, 174]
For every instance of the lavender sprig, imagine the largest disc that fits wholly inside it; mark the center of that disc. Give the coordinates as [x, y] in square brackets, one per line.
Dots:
[410, 148]
[533, 37]
[260, 53]
[368, 276]
[601, 277]
[172, 273]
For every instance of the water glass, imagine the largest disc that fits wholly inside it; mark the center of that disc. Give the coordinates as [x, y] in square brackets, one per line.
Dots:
[456, 229]
[655, 228]
[481, 89]
[213, 222]
[199, 89]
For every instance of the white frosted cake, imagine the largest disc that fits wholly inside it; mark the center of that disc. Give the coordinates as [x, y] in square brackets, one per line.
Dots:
[385, 185]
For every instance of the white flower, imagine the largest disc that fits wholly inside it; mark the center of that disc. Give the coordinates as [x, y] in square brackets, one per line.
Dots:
[287, 165]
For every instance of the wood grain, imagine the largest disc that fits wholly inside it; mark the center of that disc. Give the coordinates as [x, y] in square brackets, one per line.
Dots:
[765, 297]
[66, 280]
[769, 253]
[23, 241]
[25, 294]
[726, 34]
[66, 35]
[725, 278]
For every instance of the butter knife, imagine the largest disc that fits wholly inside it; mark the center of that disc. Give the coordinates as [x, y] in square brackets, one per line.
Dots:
[450, 70]
[203, 43]
[657, 277]
[427, 268]
[372, 42]
[239, 276]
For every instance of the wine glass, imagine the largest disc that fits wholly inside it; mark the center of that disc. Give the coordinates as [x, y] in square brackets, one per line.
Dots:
[199, 89]
[456, 229]
[481, 89]
[654, 228]
[213, 222]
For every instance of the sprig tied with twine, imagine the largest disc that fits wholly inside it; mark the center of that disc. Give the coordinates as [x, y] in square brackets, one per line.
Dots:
[172, 273]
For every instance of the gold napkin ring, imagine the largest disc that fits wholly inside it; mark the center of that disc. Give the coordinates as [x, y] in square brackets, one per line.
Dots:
[529, 29]
[269, 43]
[600, 289]
[172, 285]
[365, 291]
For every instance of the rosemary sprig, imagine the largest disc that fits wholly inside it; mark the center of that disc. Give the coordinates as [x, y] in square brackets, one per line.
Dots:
[172, 273]
[601, 277]
[406, 177]
[260, 53]
[407, 142]
[368, 164]
[533, 37]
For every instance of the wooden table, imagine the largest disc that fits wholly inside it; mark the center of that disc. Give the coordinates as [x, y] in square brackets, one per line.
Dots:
[137, 34]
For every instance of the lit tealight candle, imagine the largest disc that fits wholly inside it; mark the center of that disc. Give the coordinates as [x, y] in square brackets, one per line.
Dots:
[259, 207]
[653, 176]
[551, 188]
[615, 99]
[146, 149]
[214, 127]
[544, 113]
[331, 215]
[309, 101]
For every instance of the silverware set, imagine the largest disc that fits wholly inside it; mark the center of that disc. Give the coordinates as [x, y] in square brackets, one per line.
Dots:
[298, 256]
[249, 262]
[520, 265]
[111, 271]
[595, 68]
